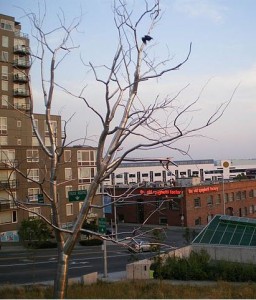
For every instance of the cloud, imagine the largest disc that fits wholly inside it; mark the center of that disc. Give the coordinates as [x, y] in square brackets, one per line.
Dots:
[201, 8]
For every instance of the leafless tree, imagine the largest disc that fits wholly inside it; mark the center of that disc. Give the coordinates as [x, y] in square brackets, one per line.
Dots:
[126, 116]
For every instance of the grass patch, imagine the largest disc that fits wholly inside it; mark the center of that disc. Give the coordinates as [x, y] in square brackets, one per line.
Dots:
[138, 289]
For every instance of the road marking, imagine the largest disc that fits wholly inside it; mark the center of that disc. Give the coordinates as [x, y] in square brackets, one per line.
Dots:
[55, 261]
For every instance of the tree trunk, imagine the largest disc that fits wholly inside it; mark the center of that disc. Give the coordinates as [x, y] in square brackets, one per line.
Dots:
[61, 278]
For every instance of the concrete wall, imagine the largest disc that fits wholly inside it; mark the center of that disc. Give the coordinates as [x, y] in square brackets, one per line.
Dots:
[141, 269]
[229, 253]
[138, 270]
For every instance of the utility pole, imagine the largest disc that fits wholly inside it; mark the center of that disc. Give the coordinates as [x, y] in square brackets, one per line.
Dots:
[104, 241]
[115, 216]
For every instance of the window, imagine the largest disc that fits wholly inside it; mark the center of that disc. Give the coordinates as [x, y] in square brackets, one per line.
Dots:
[8, 217]
[119, 176]
[250, 193]
[47, 141]
[226, 198]
[132, 175]
[4, 85]
[4, 56]
[173, 205]
[68, 173]
[4, 73]
[53, 126]
[7, 155]
[33, 194]
[3, 140]
[67, 155]
[19, 142]
[85, 174]
[231, 197]
[4, 101]
[67, 189]
[144, 175]
[35, 125]
[245, 211]
[251, 209]
[158, 174]
[243, 195]
[5, 41]
[33, 174]
[33, 210]
[197, 202]
[85, 157]
[210, 200]
[83, 187]
[163, 221]
[3, 125]
[198, 221]
[238, 195]
[218, 200]
[7, 25]
[32, 155]
[69, 209]
[12, 198]
[18, 123]
[35, 141]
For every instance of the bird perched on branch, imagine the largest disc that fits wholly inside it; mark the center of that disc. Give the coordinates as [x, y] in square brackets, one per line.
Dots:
[146, 38]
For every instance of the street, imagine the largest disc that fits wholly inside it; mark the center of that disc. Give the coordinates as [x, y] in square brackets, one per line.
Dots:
[31, 266]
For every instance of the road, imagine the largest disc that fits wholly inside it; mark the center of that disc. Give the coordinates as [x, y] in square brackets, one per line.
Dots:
[31, 266]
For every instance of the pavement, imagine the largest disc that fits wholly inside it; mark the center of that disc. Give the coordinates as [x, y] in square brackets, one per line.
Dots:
[111, 277]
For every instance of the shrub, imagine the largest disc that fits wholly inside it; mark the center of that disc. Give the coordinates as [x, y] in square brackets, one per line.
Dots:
[92, 242]
[199, 267]
[34, 230]
[42, 244]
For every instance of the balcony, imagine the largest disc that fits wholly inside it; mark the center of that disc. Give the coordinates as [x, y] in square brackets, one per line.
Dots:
[20, 78]
[21, 92]
[18, 49]
[8, 163]
[21, 34]
[4, 205]
[21, 63]
[22, 106]
[8, 184]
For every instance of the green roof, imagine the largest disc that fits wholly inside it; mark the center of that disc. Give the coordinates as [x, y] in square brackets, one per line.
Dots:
[228, 230]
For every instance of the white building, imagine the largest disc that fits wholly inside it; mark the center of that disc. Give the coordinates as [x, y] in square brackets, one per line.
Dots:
[205, 169]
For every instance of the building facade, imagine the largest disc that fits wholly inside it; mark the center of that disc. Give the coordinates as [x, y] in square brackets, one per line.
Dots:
[184, 205]
[24, 166]
[206, 169]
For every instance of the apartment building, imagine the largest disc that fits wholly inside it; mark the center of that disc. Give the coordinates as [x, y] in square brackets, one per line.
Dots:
[19, 147]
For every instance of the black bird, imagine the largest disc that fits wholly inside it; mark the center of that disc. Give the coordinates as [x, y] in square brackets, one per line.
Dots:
[146, 38]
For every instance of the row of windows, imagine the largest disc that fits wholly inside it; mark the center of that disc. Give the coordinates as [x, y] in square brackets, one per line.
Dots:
[228, 197]
[9, 217]
[54, 124]
[85, 174]
[241, 212]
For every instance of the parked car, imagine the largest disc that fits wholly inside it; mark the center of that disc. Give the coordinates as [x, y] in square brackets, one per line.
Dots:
[138, 245]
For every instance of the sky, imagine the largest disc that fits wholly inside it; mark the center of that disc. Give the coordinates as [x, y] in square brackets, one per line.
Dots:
[223, 60]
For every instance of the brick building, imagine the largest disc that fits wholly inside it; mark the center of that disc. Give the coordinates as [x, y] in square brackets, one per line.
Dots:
[19, 147]
[188, 206]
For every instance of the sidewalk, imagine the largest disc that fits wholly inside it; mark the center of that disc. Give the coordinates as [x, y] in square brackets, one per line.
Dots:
[111, 277]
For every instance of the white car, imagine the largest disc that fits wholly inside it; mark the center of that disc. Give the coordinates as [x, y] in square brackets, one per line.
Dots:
[141, 246]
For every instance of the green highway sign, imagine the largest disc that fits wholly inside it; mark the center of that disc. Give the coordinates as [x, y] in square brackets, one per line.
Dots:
[102, 225]
[40, 198]
[77, 195]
